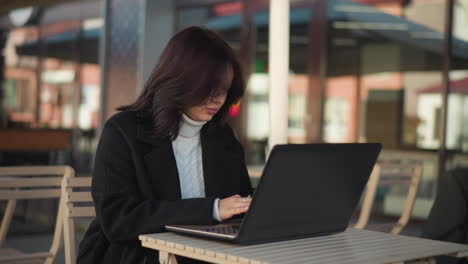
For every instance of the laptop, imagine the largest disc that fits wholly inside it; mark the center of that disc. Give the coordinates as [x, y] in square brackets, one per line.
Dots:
[306, 190]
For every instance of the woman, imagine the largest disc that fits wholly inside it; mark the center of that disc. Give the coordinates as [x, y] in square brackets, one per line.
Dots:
[169, 158]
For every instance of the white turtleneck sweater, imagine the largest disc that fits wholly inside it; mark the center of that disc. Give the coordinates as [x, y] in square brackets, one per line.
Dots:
[188, 154]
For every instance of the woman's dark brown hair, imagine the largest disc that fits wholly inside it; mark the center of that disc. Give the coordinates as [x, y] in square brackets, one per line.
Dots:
[195, 64]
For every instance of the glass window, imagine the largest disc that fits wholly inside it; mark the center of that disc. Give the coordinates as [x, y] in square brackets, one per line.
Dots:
[224, 18]
[384, 73]
[52, 79]
[50, 87]
[457, 112]
[257, 112]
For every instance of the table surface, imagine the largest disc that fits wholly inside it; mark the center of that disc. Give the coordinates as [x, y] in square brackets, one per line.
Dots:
[351, 246]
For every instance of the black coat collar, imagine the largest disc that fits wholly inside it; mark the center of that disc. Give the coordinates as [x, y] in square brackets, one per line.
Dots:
[144, 129]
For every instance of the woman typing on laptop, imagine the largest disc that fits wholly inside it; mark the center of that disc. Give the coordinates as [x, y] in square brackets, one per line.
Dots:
[170, 158]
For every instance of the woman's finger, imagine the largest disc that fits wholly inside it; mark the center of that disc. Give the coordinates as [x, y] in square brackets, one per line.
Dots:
[241, 206]
[239, 210]
[243, 200]
[241, 203]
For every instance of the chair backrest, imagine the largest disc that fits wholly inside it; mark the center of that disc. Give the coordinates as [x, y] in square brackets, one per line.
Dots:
[385, 174]
[32, 182]
[78, 203]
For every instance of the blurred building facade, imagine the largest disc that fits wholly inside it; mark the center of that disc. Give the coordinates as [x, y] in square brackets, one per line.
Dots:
[360, 71]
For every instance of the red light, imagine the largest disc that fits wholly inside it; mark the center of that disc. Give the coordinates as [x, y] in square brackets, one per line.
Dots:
[235, 109]
[226, 9]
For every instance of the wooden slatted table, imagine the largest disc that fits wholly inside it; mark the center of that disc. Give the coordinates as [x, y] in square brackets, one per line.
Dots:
[351, 246]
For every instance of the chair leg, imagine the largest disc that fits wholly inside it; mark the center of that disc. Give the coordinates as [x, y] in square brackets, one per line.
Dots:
[57, 240]
[369, 197]
[69, 237]
[409, 203]
[167, 258]
[10, 208]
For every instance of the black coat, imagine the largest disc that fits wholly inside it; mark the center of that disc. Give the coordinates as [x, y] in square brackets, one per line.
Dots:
[136, 187]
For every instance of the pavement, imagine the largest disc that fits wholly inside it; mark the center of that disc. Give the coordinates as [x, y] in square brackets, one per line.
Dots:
[38, 243]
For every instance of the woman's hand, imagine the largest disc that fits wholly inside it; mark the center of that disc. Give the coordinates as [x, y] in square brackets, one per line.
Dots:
[234, 205]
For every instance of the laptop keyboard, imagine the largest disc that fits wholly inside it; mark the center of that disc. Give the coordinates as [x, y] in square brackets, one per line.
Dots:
[226, 230]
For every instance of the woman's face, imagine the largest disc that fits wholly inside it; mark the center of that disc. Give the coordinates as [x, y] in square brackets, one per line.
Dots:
[208, 109]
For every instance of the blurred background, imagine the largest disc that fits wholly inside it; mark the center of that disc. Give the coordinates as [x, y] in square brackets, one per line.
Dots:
[360, 71]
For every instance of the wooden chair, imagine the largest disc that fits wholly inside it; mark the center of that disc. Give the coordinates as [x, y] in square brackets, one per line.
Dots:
[77, 200]
[31, 182]
[393, 174]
